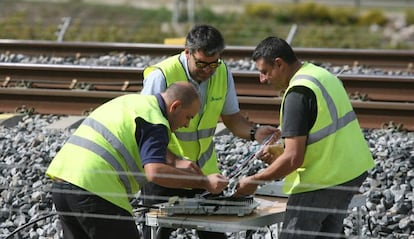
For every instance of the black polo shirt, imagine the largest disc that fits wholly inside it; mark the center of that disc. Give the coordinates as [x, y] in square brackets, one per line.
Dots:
[299, 112]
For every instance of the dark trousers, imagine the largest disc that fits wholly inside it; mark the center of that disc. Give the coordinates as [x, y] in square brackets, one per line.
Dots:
[320, 213]
[84, 215]
[152, 194]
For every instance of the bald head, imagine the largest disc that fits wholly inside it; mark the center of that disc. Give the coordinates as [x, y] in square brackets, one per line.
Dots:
[182, 91]
[182, 103]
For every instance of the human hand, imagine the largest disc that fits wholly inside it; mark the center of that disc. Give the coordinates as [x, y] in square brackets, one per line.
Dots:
[275, 149]
[216, 183]
[246, 186]
[265, 155]
[271, 152]
[265, 131]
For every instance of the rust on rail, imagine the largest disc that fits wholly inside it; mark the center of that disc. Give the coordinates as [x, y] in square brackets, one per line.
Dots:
[387, 59]
[263, 110]
[366, 87]
[77, 89]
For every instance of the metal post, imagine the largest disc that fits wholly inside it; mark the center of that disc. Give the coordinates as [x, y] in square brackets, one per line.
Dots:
[190, 11]
[63, 27]
[291, 34]
[176, 11]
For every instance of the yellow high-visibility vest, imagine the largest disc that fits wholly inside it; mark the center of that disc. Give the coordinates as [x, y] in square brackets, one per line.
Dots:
[196, 141]
[102, 155]
[336, 149]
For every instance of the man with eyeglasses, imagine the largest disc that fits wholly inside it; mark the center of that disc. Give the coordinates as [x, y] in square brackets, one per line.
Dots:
[193, 147]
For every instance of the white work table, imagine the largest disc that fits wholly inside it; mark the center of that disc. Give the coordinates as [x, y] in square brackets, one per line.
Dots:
[270, 211]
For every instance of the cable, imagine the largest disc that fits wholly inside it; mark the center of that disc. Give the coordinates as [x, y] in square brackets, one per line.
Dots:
[50, 215]
[238, 170]
[270, 232]
[29, 223]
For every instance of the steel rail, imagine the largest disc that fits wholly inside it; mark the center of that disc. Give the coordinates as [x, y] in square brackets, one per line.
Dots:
[263, 110]
[71, 77]
[52, 101]
[385, 59]
[363, 87]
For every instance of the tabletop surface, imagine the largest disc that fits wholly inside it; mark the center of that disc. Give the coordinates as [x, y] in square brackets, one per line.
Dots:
[269, 211]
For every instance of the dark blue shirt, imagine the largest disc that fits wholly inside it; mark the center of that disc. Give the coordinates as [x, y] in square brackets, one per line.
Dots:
[152, 138]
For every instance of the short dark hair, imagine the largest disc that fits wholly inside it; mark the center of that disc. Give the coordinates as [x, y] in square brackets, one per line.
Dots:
[206, 38]
[273, 47]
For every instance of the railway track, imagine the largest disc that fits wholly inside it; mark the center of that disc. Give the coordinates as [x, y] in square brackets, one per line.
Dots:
[385, 59]
[76, 90]
[262, 110]
[365, 87]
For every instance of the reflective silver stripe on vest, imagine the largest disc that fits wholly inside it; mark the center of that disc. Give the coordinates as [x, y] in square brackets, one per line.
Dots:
[99, 150]
[119, 147]
[337, 123]
[206, 155]
[196, 136]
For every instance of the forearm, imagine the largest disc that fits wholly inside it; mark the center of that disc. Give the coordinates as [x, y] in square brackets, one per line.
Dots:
[291, 159]
[238, 125]
[172, 158]
[245, 129]
[277, 170]
[172, 177]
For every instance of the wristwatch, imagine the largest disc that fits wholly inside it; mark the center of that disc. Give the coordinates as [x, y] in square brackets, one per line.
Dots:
[253, 132]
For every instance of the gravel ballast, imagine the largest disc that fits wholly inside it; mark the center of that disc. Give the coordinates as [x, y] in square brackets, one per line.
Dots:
[27, 148]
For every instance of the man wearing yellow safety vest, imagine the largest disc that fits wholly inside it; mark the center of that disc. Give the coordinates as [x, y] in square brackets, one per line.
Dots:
[326, 157]
[117, 148]
[201, 65]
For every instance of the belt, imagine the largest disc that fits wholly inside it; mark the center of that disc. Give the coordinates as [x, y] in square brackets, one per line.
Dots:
[70, 188]
[59, 180]
[62, 184]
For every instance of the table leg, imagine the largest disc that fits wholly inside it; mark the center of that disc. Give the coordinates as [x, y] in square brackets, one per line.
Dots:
[153, 232]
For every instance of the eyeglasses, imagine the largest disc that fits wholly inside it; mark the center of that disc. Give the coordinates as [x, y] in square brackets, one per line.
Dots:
[202, 64]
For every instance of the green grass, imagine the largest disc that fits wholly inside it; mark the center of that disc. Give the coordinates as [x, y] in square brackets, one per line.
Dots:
[116, 23]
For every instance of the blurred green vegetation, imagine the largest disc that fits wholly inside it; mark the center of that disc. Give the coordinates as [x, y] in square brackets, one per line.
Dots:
[317, 25]
[409, 16]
